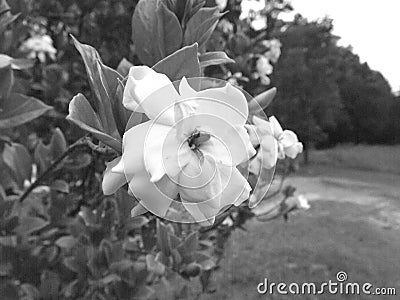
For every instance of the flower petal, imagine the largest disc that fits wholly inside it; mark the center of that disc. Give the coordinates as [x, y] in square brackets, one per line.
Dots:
[236, 188]
[262, 186]
[155, 197]
[133, 150]
[112, 181]
[294, 150]
[276, 127]
[150, 92]
[185, 90]
[200, 182]
[229, 143]
[269, 152]
[227, 102]
[263, 127]
[288, 138]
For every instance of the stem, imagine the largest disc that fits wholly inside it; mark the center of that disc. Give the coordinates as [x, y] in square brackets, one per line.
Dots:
[83, 142]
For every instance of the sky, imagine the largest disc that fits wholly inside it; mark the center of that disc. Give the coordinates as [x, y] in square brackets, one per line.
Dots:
[371, 27]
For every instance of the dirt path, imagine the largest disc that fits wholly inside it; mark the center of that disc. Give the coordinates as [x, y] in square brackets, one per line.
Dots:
[379, 191]
[353, 226]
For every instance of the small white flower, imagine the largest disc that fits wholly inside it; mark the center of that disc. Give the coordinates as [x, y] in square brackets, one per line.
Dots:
[38, 46]
[221, 4]
[275, 143]
[274, 49]
[263, 66]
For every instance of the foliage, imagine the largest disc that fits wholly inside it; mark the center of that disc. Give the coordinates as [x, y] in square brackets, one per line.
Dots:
[60, 237]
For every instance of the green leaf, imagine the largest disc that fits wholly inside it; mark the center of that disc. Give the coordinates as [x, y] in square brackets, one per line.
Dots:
[188, 247]
[214, 58]
[191, 8]
[154, 266]
[109, 279]
[136, 223]
[50, 285]
[177, 7]
[8, 291]
[260, 102]
[170, 33]
[6, 80]
[162, 238]
[29, 225]
[82, 114]
[19, 161]
[66, 242]
[191, 243]
[5, 16]
[124, 67]
[58, 144]
[145, 31]
[18, 109]
[103, 82]
[184, 62]
[60, 186]
[16, 63]
[200, 27]
[44, 155]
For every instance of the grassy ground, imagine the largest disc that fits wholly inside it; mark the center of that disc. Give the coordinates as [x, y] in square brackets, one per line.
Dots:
[353, 226]
[365, 157]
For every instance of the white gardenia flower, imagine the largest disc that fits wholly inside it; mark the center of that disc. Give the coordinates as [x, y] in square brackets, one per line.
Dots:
[275, 143]
[189, 148]
[38, 46]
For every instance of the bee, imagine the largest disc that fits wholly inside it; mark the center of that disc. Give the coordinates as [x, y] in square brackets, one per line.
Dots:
[197, 138]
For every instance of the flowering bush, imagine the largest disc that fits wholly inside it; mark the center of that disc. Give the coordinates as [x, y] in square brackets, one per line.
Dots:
[182, 154]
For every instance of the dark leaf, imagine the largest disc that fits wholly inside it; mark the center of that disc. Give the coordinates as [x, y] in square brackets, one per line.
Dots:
[261, 101]
[184, 62]
[50, 285]
[145, 31]
[200, 27]
[214, 58]
[137, 222]
[18, 109]
[18, 159]
[5, 15]
[124, 67]
[60, 186]
[16, 63]
[8, 291]
[103, 86]
[162, 238]
[58, 144]
[154, 265]
[42, 156]
[6, 80]
[83, 115]
[170, 33]
[29, 225]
